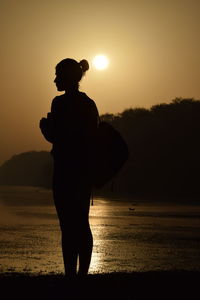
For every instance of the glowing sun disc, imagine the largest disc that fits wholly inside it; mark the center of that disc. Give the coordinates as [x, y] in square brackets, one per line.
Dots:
[100, 62]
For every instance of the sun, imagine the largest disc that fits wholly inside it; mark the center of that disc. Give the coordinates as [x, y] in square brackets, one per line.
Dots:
[100, 62]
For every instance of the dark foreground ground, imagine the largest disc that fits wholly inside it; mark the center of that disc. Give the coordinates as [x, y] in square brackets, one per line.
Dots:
[158, 285]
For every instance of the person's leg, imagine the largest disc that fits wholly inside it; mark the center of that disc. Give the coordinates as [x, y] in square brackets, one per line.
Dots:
[68, 230]
[70, 254]
[72, 201]
[85, 239]
[85, 250]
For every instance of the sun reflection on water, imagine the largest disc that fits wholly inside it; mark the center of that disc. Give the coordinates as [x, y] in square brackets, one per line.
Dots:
[128, 236]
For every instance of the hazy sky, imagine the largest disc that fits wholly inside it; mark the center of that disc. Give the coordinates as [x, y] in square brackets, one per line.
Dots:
[153, 47]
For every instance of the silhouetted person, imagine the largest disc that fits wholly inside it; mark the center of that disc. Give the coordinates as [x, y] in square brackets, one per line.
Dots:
[71, 128]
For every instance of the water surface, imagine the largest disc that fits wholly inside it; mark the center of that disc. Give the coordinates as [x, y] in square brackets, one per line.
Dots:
[129, 234]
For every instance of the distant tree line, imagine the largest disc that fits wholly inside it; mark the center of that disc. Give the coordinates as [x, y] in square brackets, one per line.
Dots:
[164, 147]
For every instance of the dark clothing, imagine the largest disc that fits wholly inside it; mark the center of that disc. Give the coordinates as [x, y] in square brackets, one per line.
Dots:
[74, 123]
[71, 127]
[75, 120]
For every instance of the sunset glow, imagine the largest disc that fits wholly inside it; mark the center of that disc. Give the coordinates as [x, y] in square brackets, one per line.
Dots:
[137, 58]
[100, 62]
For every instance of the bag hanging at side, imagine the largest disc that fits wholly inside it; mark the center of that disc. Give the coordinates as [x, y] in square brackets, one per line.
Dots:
[111, 153]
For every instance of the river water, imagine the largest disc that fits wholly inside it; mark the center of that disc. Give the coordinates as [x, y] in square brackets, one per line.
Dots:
[129, 234]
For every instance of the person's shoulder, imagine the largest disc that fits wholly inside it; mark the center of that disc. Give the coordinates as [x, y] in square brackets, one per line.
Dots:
[56, 102]
[58, 98]
[87, 100]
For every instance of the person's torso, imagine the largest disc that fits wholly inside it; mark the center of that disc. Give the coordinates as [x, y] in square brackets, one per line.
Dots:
[72, 124]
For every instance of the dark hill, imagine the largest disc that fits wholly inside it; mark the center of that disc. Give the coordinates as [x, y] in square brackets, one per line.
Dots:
[27, 169]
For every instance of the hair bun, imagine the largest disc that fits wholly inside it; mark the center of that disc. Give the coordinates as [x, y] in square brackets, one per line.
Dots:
[84, 65]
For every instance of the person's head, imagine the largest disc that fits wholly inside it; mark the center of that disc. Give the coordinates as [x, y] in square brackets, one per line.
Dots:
[69, 72]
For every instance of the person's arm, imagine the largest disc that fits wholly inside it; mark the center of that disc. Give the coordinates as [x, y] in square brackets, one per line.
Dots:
[46, 125]
[46, 128]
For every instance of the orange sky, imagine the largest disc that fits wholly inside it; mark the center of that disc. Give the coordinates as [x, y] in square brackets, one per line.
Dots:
[153, 47]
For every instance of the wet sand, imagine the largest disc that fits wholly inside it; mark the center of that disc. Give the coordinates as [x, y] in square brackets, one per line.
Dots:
[133, 235]
[154, 240]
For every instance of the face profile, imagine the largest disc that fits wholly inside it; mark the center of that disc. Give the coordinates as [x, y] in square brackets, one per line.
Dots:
[69, 73]
[60, 82]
